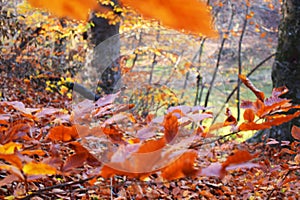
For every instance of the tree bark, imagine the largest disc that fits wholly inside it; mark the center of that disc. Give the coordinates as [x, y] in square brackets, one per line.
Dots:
[105, 38]
[286, 68]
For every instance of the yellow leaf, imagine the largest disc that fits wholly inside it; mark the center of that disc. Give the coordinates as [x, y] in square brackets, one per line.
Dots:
[76, 9]
[189, 15]
[34, 168]
[9, 148]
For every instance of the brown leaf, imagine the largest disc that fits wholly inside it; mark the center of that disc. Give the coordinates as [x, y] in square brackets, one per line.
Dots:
[78, 148]
[74, 161]
[230, 120]
[9, 179]
[215, 169]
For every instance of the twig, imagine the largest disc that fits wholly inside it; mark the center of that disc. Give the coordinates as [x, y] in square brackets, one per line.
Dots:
[219, 59]
[238, 96]
[40, 192]
[211, 141]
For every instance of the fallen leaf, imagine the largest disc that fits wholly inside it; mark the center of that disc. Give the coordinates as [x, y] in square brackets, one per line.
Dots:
[34, 168]
[62, 133]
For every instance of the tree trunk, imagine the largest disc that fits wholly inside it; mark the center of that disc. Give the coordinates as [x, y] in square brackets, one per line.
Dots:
[105, 38]
[286, 68]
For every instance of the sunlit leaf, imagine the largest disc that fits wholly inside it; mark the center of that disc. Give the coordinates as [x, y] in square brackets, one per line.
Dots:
[9, 148]
[34, 168]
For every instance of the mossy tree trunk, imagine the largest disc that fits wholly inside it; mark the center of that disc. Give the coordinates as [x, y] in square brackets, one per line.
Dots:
[286, 68]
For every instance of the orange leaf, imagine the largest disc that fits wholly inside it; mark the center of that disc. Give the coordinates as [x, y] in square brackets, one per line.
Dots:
[259, 94]
[62, 133]
[240, 156]
[12, 159]
[249, 126]
[190, 15]
[249, 115]
[33, 168]
[181, 167]
[152, 145]
[76, 9]
[171, 127]
[296, 132]
[38, 152]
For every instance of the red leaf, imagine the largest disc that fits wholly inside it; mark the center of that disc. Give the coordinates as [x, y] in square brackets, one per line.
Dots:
[259, 94]
[296, 132]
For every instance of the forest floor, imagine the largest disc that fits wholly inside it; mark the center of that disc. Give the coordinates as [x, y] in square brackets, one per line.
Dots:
[277, 177]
